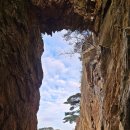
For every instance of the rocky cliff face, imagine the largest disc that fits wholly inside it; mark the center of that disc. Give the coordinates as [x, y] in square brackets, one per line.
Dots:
[105, 101]
[20, 66]
[21, 24]
[105, 93]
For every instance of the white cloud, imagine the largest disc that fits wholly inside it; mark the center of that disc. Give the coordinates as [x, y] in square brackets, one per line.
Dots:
[55, 66]
[74, 84]
[61, 80]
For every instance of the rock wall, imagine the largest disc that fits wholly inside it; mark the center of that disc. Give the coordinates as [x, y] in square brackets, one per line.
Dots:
[21, 46]
[20, 66]
[105, 93]
[105, 102]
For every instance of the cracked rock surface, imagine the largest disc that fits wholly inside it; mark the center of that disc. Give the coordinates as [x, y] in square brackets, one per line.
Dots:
[105, 100]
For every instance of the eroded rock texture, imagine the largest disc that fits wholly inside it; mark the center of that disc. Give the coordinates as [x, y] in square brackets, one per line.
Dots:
[56, 15]
[105, 90]
[20, 66]
[105, 102]
[21, 24]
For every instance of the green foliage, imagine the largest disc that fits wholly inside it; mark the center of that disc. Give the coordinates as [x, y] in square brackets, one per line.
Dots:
[47, 128]
[72, 112]
[70, 119]
[74, 102]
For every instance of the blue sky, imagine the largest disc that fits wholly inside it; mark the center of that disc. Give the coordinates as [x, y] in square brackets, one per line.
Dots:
[61, 80]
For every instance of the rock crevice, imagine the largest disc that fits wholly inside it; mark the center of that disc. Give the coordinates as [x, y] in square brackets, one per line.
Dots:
[105, 81]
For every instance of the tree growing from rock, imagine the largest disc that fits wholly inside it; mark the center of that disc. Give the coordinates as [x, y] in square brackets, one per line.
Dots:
[73, 114]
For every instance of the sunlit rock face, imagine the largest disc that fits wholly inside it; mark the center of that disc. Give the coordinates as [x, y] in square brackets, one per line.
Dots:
[105, 101]
[105, 93]
[21, 47]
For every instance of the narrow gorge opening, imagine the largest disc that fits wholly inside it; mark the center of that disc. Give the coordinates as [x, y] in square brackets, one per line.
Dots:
[62, 74]
[21, 47]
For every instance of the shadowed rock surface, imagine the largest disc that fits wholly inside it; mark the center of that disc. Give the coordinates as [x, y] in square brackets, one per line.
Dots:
[105, 93]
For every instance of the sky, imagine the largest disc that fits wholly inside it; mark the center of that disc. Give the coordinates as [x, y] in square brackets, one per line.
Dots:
[62, 75]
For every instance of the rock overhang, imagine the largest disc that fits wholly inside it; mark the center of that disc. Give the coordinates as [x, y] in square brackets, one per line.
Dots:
[55, 15]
